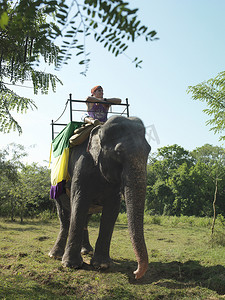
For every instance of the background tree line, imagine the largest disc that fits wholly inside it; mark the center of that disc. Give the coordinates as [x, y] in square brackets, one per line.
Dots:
[179, 182]
[182, 182]
[24, 189]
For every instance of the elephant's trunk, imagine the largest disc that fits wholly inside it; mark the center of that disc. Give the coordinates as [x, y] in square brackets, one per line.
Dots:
[135, 192]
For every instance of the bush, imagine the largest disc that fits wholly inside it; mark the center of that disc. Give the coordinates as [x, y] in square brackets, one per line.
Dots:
[157, 220]
[220, 218]
[122, 218]
[96, 217]
[218, 238]
[46, 216]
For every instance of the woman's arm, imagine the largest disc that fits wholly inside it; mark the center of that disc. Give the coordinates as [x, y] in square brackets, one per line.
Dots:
[109, 100]
[93, 99]
[113, 100]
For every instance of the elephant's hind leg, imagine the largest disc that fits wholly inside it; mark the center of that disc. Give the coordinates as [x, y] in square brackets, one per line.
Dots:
[86, 246]
[63, 208]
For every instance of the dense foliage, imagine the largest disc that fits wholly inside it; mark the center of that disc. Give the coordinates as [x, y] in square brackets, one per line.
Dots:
[49, 32]
[24, 189]
[23, 42]
[180, 182]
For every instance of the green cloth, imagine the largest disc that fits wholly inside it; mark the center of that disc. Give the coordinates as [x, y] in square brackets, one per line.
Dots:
[61, 141]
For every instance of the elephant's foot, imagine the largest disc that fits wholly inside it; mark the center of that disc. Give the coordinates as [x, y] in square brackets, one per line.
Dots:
[75, 263]
[86, 250]
[101, 262]
[56, 253]
[86, 246]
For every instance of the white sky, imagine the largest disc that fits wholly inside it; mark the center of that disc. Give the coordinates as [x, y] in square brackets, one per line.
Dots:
[190, 50]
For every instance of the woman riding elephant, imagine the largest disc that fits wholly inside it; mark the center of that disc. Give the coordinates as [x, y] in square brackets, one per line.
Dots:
[112, 161]
[97, 106]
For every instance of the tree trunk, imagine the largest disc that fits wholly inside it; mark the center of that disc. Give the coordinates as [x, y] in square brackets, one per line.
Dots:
[214, 206]
[12, 209]
[21, 211]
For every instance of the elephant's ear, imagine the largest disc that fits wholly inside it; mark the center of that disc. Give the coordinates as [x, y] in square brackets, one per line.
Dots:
[94, 143]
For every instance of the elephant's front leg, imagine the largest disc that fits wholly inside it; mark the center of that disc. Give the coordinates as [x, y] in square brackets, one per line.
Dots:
[101, 258]
[79, 209]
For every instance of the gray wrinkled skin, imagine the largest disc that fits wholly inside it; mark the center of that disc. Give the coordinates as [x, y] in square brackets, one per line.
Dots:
[112, 161]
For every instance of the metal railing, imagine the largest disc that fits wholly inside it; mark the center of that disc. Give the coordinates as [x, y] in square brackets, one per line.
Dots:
[71, 110]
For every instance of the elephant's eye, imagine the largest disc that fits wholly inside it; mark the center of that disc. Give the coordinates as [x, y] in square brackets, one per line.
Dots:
[119, 148]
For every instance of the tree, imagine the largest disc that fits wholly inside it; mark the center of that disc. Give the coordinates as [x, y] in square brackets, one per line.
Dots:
[209, 155]
[30, 30]
[24, 189]
[22, 42]
[10, 163]
[183, 182]
[163, 165]
[32, 190]
[8, 177]
[212, 92]
[170, 158]
[214, 157]
[192, 189]
[7, 169]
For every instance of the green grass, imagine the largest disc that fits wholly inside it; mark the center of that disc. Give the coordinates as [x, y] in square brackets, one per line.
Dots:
[184, 262]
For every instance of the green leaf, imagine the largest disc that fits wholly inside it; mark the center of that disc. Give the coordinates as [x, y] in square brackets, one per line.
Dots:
[49, 10]
[4, 19]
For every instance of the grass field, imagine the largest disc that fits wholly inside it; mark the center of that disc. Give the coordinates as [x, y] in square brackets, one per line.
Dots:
[184, 262]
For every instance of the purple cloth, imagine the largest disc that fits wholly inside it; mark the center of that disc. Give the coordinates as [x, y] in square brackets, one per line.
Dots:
[99, 111]
[58, 189]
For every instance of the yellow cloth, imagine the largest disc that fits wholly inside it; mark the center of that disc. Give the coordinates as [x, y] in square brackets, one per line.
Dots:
[60, 168]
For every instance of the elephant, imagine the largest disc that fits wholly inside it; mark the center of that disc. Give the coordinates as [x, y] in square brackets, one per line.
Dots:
[110, 163]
